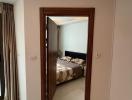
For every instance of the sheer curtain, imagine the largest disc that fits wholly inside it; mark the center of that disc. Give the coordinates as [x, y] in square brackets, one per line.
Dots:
[9, 51]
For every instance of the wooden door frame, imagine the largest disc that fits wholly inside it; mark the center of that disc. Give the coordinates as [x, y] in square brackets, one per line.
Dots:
[86, 12]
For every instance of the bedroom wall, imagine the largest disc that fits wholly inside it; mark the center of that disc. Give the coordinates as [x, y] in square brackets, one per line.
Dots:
[20, 39]
[103, 36]
[73, 37]
[121, 83]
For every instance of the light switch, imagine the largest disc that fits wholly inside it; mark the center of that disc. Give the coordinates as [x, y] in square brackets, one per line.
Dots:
[98, 55]
[34, 58]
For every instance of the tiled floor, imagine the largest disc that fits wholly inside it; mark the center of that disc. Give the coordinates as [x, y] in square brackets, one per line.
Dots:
[73, 90]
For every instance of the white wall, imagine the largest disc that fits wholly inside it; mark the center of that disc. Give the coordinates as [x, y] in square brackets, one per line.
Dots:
[8, 1]
[20, 38]
[73, 37]
[121, 83]
[103, 34]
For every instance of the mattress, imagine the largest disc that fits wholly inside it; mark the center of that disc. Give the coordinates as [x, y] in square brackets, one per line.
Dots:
[67, 71]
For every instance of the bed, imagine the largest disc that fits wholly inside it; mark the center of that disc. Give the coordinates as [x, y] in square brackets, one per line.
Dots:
[68, 68]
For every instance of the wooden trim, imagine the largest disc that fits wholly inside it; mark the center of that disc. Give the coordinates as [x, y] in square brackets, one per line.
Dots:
[87, 12]
[89, 55]
[43, 53]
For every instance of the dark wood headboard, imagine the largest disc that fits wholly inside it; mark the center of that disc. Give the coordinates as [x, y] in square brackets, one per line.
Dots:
[76, 55]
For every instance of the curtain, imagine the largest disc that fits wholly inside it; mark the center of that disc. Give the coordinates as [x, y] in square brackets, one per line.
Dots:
[2, 79]
[9, 52]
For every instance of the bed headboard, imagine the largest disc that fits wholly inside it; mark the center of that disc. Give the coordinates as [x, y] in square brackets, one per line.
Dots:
[76, 55]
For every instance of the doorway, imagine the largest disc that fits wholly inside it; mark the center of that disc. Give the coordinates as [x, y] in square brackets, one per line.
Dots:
[72, 37]
[49, 48]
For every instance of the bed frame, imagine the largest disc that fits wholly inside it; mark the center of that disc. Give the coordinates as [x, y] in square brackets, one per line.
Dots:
[76, 55]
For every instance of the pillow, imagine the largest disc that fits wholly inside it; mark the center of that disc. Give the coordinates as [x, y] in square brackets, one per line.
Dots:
[81, 61]
[74, 60]
[66, 58]
[78, 61]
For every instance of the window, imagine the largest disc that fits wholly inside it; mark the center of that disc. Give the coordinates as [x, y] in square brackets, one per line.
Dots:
[2, 80]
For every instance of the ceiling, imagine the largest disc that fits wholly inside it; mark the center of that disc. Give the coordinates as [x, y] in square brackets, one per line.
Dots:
[67, 20]
[8, 1]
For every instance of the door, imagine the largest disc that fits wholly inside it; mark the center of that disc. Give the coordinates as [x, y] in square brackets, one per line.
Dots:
[51, 57]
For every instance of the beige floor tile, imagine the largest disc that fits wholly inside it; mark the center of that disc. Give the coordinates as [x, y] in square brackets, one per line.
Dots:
[73, 90]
